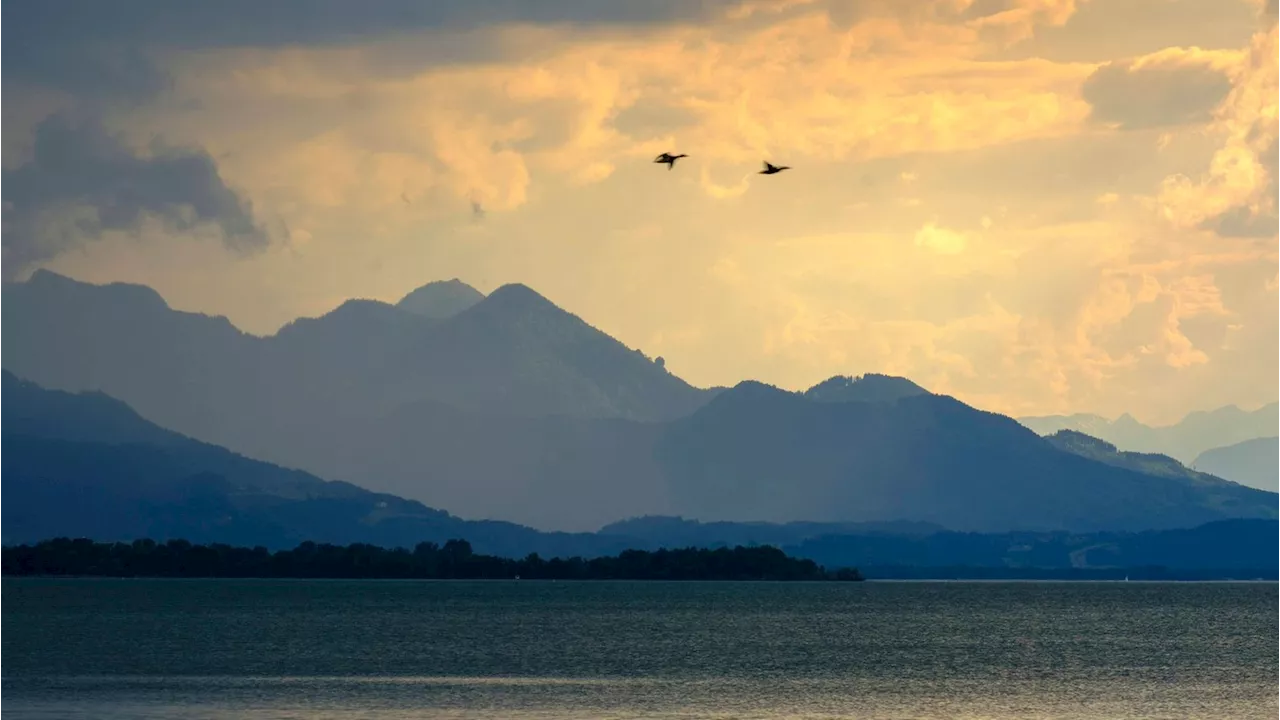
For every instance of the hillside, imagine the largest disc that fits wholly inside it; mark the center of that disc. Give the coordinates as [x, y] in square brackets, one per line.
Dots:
[1149, 463]
[87, 465]
[1255, 463]
[760, 453]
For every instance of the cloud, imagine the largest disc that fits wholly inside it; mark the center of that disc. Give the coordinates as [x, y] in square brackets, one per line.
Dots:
[81, 182]
[954, 216]
[1171, 87]
[80, 45]
[1236, 196]
[1106, 30]
[940, 239]
[121, 51]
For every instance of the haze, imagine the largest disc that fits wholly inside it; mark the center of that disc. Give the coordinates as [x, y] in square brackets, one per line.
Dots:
[1037, 206]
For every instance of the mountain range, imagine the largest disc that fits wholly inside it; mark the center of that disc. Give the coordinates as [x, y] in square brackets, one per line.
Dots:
[508, 408]
[86, 465]
[1184, 440]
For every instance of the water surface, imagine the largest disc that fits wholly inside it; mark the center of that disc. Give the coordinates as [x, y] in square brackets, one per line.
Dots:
[390, 649]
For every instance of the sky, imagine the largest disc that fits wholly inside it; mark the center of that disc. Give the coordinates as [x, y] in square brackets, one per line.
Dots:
[1037, 206]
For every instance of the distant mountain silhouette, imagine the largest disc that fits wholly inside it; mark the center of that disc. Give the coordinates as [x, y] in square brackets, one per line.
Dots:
[516, 410]
[516, 353]
[866, 388]
[1194, 434]
[440, 300]
[760, 453]
[86, 465]
[512, 353]
[1255, 463]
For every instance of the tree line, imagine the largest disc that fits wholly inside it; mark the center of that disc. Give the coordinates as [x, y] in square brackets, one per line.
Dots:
[455, 560]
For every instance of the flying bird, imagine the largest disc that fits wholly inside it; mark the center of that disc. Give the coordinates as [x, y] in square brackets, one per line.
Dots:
[772, 169]
[669, 159]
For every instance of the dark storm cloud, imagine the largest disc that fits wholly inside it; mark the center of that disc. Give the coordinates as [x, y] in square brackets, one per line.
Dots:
[78, 165]
[1155, 95]
[92, 46]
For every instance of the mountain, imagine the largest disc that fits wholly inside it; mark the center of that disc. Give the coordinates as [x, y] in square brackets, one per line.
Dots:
[517, 353]
[553, 472]
[759, 453]
[440, 300]
[86, 465]
[511, 353]
[866, 388]
[1253, 462]
[1194, 434]
[516, 410]
[1149, 463]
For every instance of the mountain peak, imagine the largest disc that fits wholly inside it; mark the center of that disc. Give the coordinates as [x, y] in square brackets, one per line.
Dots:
[871, 387]
[441, 299]
[518, 293]
[51, 285]
[41, 276]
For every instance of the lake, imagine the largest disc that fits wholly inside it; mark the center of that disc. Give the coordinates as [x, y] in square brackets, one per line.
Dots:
[391, 649]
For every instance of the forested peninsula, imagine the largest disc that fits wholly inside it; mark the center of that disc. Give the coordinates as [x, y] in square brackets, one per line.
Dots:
[63, 557]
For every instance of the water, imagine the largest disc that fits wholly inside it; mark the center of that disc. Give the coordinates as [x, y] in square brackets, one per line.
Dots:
[338, 649]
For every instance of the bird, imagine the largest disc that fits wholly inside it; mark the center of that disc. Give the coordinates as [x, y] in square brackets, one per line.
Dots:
[772, 169]
[669, 159]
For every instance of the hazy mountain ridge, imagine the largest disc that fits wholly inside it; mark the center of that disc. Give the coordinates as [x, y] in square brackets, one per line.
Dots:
[517, 410]
[1255, 463]
[87, 465]
[512, 352]
[120, 478]
[1184, 440]
[764, 454]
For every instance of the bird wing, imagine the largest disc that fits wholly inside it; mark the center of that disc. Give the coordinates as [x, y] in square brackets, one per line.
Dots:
[767, 166]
